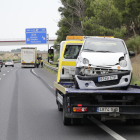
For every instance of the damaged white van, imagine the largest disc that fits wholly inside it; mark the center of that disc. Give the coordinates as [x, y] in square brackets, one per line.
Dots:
[103, 63]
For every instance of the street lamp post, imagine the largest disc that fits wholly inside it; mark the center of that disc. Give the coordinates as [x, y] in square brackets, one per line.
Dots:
[48, 40]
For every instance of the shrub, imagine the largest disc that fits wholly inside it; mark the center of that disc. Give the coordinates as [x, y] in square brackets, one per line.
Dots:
[56, 56]
[133, 44]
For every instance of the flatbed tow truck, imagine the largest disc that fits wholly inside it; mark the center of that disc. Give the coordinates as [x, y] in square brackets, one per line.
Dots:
[108, 104]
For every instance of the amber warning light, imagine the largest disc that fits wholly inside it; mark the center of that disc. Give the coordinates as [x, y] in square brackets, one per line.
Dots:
[74, 38]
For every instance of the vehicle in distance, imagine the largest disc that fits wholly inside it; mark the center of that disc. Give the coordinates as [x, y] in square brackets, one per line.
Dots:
[9, 63]
[28, 56]
[103, 63]
[1, 63]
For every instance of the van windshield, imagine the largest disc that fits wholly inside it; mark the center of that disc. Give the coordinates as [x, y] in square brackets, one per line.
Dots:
[104, 45]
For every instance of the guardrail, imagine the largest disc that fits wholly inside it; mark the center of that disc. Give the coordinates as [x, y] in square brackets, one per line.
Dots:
[52, 68]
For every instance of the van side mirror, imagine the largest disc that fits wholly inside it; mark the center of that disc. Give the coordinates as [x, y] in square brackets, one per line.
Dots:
[131, 53]
[50, 55]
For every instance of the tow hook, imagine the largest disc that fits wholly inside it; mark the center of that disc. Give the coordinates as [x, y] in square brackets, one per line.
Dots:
[114, 114]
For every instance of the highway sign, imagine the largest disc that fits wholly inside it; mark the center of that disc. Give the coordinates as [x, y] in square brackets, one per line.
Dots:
[36, 36]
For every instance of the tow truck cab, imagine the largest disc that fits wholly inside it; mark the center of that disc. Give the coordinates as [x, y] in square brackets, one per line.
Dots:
[69, 51]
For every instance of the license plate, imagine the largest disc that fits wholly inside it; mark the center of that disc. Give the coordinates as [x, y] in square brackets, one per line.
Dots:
[107, 78]
[107, 109]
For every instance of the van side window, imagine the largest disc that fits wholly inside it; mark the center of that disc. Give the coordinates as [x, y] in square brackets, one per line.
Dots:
[72, 51]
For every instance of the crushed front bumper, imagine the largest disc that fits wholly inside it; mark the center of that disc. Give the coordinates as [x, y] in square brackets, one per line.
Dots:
[91, 82]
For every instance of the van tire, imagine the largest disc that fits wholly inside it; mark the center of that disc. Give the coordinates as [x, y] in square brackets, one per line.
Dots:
[76, 85]
[125, 88]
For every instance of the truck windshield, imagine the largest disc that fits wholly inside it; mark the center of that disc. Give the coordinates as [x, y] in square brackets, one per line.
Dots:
[104, 45]
[72, 51]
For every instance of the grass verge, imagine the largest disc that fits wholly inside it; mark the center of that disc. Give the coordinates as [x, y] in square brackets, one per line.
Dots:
[53, 64]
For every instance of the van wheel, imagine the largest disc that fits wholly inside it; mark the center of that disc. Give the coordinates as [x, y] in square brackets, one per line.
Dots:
[125, 88]
[76, 85]
[66, 121]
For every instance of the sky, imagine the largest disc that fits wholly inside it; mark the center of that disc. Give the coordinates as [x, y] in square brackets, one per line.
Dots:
[17, 15]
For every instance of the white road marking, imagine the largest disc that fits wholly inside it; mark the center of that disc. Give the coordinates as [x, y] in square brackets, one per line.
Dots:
[34, 72]
[11, 69]
[50, 86]
[108, 130]
[7, 71]
[0, 78]
[4, 74]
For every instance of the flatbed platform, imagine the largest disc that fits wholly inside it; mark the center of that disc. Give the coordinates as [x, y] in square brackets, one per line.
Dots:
[69, 90]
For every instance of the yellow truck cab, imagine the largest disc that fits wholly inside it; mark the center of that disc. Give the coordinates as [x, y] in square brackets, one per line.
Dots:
[69, 51]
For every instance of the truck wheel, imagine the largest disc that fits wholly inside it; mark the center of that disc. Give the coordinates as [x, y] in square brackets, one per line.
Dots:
[56, 96]
[77, 121]
[66, 121]
[59, 107]
[129, 121]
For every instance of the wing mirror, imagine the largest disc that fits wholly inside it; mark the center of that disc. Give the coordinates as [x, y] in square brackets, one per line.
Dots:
[50, 55]
[131, 53]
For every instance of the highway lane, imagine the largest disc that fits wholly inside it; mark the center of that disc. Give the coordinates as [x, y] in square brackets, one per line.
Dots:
[28, 111]
[4, 69]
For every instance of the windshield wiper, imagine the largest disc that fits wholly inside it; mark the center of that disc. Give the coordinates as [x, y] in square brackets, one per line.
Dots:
[105, 51]
[88, 50]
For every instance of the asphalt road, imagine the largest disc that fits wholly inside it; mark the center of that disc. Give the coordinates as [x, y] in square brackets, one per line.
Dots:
[28, 111]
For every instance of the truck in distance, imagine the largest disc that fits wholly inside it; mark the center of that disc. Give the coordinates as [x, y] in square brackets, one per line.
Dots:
[28, 57]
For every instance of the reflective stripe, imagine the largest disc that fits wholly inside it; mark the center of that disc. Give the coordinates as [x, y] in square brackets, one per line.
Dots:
[68, 63]
[50, 55]
[65, 55]
[37, 62]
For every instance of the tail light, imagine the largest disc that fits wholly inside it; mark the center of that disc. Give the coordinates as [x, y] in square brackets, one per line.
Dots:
[79, 105]
[79, 109]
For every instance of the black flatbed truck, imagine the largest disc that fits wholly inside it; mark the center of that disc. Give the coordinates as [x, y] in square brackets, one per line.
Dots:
[125, 104]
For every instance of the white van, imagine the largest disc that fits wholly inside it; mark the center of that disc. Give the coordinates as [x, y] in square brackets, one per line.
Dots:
[103, 63]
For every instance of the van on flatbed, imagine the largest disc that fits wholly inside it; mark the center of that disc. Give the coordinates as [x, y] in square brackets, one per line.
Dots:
[108, 104]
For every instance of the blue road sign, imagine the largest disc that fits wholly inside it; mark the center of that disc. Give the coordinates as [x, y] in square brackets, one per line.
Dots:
[36, 36]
